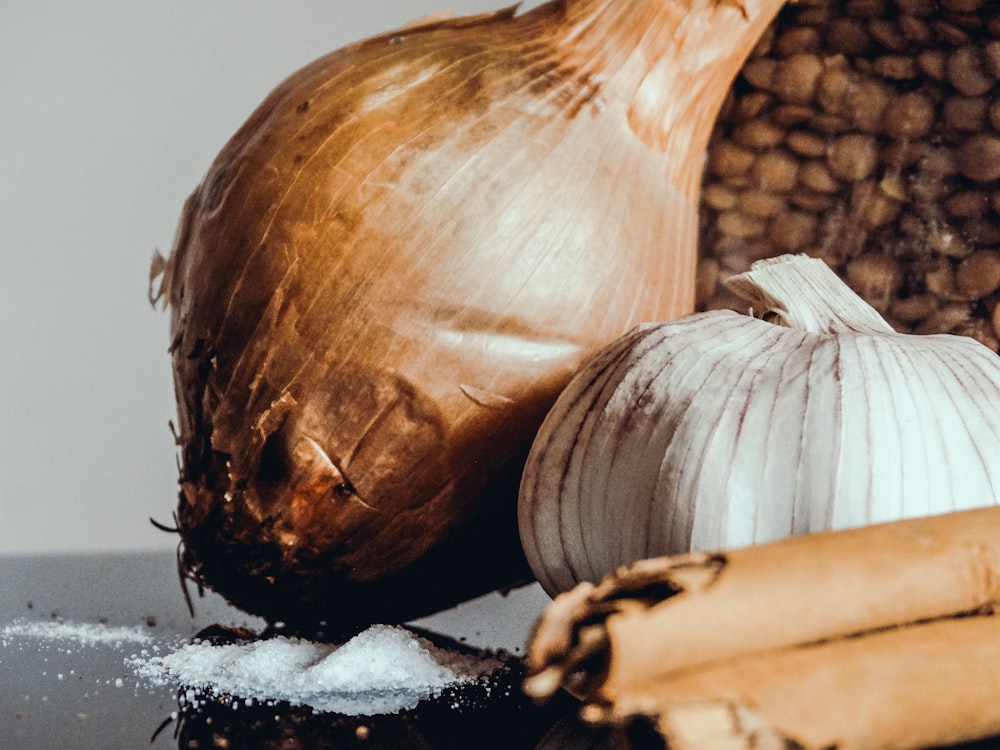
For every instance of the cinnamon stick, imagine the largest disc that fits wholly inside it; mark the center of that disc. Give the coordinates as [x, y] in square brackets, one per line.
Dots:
[667, 614]
[918, 686]
[878, 637]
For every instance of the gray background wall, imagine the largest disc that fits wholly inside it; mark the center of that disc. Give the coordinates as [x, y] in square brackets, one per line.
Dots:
[110, 113]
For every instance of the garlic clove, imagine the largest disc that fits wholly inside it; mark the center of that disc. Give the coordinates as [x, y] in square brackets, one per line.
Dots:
[721, 430]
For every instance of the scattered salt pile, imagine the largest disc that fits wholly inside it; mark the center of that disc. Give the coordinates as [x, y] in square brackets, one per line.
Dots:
[78, 633]
[385, 669]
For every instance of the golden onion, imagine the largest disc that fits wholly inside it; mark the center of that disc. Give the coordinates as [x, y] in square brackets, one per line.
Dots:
[392, 269]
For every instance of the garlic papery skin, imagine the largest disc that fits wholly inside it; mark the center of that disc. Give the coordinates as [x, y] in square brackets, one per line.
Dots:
[720, 430]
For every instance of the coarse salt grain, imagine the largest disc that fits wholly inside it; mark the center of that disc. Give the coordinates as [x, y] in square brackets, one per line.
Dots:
[385, 669]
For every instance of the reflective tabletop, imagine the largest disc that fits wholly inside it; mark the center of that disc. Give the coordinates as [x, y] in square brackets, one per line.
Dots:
[71, 626]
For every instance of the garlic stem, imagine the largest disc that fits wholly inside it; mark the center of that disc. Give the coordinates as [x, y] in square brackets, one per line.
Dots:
[806, 294]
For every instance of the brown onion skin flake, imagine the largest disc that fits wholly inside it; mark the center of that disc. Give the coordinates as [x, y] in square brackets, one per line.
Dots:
[899, 130]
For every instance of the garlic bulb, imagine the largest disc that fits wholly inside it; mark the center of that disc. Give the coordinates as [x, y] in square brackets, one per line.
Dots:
[393, 268]
[720, 430]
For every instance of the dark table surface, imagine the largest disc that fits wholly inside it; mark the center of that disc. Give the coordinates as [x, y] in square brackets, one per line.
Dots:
[68, 694]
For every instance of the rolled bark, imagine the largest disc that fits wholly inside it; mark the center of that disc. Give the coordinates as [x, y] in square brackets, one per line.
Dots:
[877, 637]
[704, 608]
[925, 685]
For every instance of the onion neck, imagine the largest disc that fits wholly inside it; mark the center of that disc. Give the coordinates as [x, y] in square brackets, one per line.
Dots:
[671, 61]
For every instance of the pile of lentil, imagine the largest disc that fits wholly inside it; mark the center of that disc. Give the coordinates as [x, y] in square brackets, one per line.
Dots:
[867, 133]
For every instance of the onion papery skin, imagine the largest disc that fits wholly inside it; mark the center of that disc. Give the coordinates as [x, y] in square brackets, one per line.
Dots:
[394, 267]
[718, 431]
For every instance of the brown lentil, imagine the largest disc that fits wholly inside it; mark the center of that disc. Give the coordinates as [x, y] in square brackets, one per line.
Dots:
[848, 36]
[866, 8]
[760, 72]
[979, 157]
[965, 113]
[914, 309]
[792, 230]
[966, 72]
[794, 80]
[932, 63]
[967, 204]
[806, 144]
[761, 203]
[940, 280]
[876, 278]
[949, 33]
[914, 29]
[775, 170]
[750, 106]
[727, 159]
[978, 275]
[758, 134]
[896, 67]
[867, 133]
[910, 116]
[791, 114]
[816, 15]
[815, 175]
[718, 196]
[828, 124]
[741, 225]
[797, 39]
[866, 102]
[888, 34]
[853, 157]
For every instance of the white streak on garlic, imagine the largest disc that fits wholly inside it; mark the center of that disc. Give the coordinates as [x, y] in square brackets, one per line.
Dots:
[722, 430]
